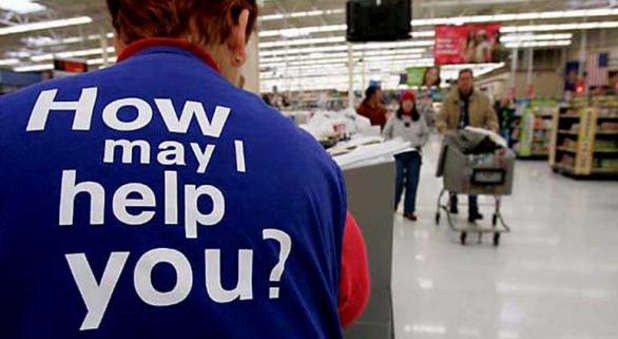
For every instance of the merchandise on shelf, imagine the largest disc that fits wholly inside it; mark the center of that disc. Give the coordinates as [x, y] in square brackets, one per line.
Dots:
[586, 139]
[608, 112]
[608, 127]
[606, 164]
[606, 145]
[567, 160]
[533, 136]
[569, 143]
[608, 101]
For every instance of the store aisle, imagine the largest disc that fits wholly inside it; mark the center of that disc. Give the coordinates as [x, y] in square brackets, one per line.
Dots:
[555, 276]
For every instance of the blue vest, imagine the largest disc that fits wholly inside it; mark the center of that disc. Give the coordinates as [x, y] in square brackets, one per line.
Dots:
[153, 199]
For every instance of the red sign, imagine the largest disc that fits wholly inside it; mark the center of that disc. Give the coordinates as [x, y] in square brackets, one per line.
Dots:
[71, 66]
[467, 44]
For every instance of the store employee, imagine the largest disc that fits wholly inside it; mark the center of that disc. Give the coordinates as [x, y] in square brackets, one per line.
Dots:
[153, 199]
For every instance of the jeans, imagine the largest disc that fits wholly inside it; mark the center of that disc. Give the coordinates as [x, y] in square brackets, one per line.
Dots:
[407, 176]
[473, 203]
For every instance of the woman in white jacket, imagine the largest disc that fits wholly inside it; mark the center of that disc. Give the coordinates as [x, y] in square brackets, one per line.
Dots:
[410, 126]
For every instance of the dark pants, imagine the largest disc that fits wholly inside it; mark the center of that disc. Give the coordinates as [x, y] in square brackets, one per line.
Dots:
[473, 203]
[408, 172]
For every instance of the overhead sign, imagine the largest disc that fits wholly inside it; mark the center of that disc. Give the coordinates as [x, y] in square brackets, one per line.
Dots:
[415, 76]
[70, 66]
[466, 44]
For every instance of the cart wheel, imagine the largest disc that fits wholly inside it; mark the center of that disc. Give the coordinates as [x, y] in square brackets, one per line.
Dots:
[496, 239]
[438, 218]
[463, 238]
[494, 220]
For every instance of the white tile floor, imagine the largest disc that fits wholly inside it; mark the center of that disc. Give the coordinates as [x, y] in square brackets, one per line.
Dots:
[554, 276]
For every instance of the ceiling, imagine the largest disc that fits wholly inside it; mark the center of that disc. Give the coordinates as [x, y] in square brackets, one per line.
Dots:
[275, 15]
[57, 9]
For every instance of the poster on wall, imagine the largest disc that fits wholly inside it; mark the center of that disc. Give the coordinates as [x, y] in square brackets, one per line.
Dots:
[415, 76]
[467, 44]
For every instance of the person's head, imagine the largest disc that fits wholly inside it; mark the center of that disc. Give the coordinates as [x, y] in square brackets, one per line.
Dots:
[373, 95]
[407, 105]
[481, 36]
[465, 81]
[572, 76]
[222, 27]
[431, 77]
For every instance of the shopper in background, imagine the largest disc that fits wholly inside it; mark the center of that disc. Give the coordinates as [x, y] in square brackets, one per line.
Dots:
[506, 116]
[373, 107]
[466, 106]
[101, 238]
[409, 125]
[424, 103]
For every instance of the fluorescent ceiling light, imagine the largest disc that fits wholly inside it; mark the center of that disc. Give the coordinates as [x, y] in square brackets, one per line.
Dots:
[8, 62]
[46, 41]
[385, 67]
[424, 34]
[342, 60]
[356, 47]
[340, 80]
[560, 27]
[583, 13]
[331, 40]
[34, 68]
[340, 69]
[100, 61]
[37, 26]
[530, 44]
[532, 37]
[271, 17]
[71, 54]
[317, 56]
[301, 42]
[295, 32]
[21, 6]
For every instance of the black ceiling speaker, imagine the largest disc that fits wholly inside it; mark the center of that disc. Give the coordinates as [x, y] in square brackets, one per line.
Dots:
[374, 20]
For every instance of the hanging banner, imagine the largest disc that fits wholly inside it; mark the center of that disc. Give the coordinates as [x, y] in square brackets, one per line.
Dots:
[467, 44]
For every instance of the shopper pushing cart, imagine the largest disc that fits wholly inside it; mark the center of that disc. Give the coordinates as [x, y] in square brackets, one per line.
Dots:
[466, 106]
[472, 162]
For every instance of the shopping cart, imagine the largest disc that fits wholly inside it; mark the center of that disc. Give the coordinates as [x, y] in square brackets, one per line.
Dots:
[489, 172]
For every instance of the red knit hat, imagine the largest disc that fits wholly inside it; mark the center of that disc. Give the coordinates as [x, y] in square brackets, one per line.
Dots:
[407, 95]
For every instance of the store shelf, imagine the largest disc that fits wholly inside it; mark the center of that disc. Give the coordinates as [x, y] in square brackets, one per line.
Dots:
[607, 118]
[564, 168]
[566, 132]
[607, 133]
[605, 171]
[566, 149]
[606, 151]
[569, 116]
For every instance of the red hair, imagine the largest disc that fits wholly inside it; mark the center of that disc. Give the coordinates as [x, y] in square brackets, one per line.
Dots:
[201, 22]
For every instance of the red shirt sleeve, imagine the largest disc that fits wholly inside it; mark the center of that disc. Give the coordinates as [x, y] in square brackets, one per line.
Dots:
[355, 284]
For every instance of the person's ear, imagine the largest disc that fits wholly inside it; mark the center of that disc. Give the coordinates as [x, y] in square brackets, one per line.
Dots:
[238, 40]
